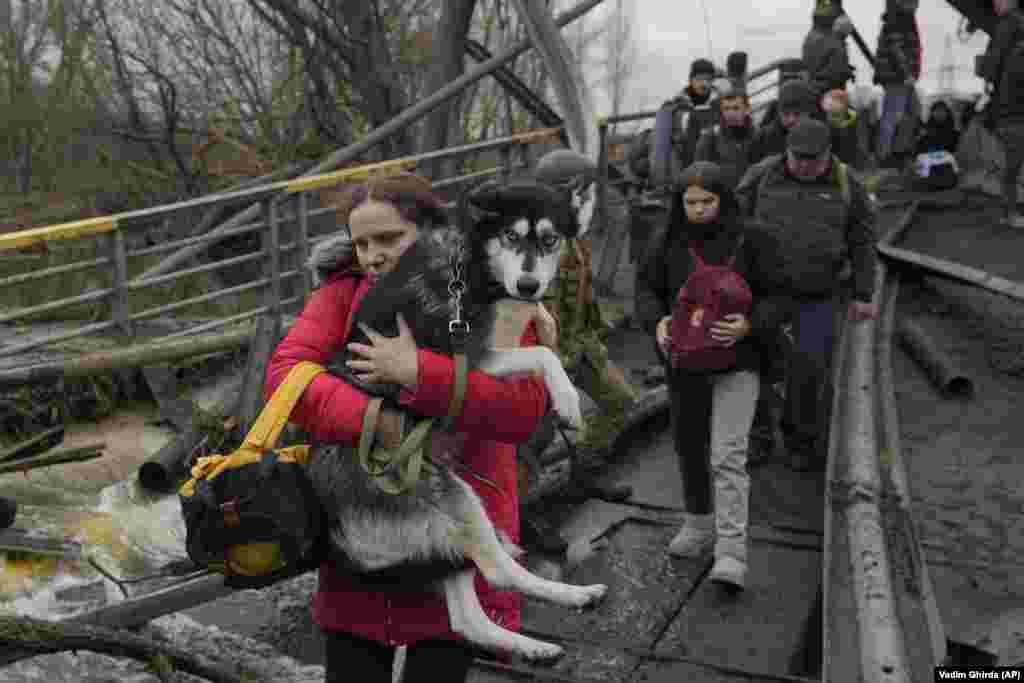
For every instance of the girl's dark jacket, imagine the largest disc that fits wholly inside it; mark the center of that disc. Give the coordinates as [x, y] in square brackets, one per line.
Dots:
[668, 263]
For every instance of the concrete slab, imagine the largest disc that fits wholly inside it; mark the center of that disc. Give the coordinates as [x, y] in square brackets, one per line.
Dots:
[593, 519]
[652, 469]
[676, 672]
[784, 498]
[645, 591]
[580, 663]
[761, 628]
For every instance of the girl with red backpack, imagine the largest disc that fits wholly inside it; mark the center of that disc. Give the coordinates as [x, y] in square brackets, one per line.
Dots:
[701, 293]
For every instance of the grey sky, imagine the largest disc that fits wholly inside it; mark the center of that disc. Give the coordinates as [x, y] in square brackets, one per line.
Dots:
[669, 34]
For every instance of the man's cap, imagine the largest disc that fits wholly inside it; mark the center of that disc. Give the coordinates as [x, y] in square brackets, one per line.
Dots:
[702, 67]
[797, 95]
[809, 138]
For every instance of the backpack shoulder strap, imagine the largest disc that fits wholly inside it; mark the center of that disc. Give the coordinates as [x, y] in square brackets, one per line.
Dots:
[696, 257]
[843, 180]
[735, 252]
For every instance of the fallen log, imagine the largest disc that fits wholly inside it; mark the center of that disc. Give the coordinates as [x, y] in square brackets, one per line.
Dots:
[134, 356]
[940, 368]
[35, 637]
[58, 458]
[168, 466]
[40, 443]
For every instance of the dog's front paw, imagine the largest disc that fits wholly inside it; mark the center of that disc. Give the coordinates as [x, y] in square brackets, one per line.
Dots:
[587, 596]
[537, 651]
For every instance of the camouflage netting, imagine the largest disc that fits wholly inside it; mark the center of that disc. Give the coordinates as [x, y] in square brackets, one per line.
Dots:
[581, 337]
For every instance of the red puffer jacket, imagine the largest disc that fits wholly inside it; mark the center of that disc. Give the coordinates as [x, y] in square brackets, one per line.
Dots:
[496, 414]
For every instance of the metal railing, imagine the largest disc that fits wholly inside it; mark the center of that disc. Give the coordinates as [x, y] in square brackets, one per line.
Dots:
[281, 256]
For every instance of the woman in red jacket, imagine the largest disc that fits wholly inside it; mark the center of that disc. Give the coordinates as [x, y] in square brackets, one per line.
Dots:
[362, 626]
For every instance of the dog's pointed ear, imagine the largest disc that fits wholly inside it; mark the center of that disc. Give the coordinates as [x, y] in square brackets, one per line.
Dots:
[480, 203]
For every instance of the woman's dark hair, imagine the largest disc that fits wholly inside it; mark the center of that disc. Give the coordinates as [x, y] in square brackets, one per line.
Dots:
[709, 177]
[410, 194]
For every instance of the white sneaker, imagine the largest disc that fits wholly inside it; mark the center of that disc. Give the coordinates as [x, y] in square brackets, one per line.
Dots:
[730, 571]
[696, 538]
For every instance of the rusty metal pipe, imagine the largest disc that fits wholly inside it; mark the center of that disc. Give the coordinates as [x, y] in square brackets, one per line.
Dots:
[940, 368]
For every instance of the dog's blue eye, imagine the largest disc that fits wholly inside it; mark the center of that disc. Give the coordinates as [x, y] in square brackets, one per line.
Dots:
[550, 241]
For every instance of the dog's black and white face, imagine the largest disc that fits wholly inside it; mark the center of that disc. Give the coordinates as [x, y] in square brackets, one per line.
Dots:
[523, 227]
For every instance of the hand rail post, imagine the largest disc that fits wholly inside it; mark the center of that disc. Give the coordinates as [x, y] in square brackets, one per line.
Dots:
[272, 254]
[120, 307]
[303, 240]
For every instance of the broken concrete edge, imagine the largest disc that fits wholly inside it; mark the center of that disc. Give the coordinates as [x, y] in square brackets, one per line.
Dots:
[555, 460]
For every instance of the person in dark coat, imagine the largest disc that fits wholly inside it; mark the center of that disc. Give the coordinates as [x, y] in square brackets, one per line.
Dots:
[939, 132]
[845, 123]
[824, 243]
[728, 143]
[897, 70]
[796, 100]
[824, 50]
[711, 412]
[693, 110]
[1003, 67]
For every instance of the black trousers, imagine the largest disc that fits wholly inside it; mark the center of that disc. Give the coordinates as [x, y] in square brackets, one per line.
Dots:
[1012, 137]
[350, 658]
[690, 408]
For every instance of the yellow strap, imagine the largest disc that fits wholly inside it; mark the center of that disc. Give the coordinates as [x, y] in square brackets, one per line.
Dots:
[274, 416]
[459, 393]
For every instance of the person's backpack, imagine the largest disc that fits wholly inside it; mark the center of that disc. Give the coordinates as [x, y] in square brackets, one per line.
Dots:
[937, 170]
[709, 294]
[638, 155]
[253, 515]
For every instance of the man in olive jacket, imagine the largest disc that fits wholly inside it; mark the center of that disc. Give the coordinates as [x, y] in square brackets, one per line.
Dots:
[823, 232]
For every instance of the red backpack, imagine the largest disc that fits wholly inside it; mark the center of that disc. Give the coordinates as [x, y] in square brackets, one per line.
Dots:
[710, 294]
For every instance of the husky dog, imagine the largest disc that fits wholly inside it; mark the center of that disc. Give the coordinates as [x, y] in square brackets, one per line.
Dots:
[508, 242]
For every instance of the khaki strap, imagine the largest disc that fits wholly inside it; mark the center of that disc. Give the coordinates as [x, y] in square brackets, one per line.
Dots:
[393, 471]
[459, 392]
[274, 416]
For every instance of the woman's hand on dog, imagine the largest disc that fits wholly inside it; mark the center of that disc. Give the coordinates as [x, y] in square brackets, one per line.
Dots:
[387, 360]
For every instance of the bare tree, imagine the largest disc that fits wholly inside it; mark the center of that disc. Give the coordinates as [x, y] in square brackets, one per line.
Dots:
[449, 58]
[620, 56]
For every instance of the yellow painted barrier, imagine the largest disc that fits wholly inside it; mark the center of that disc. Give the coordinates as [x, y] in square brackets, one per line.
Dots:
[105, 224]
[61, 231]
[358, 173]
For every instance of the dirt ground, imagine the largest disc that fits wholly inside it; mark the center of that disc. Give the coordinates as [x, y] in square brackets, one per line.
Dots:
[963, 456]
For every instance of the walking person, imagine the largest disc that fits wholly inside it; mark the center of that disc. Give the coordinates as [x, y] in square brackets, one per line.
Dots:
[796, 101]
[824, 50]
[363, 625]
[897, 70]
[823, 226]
[711, 409]
[1003, 68]
[679, 124]
[729, 142]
